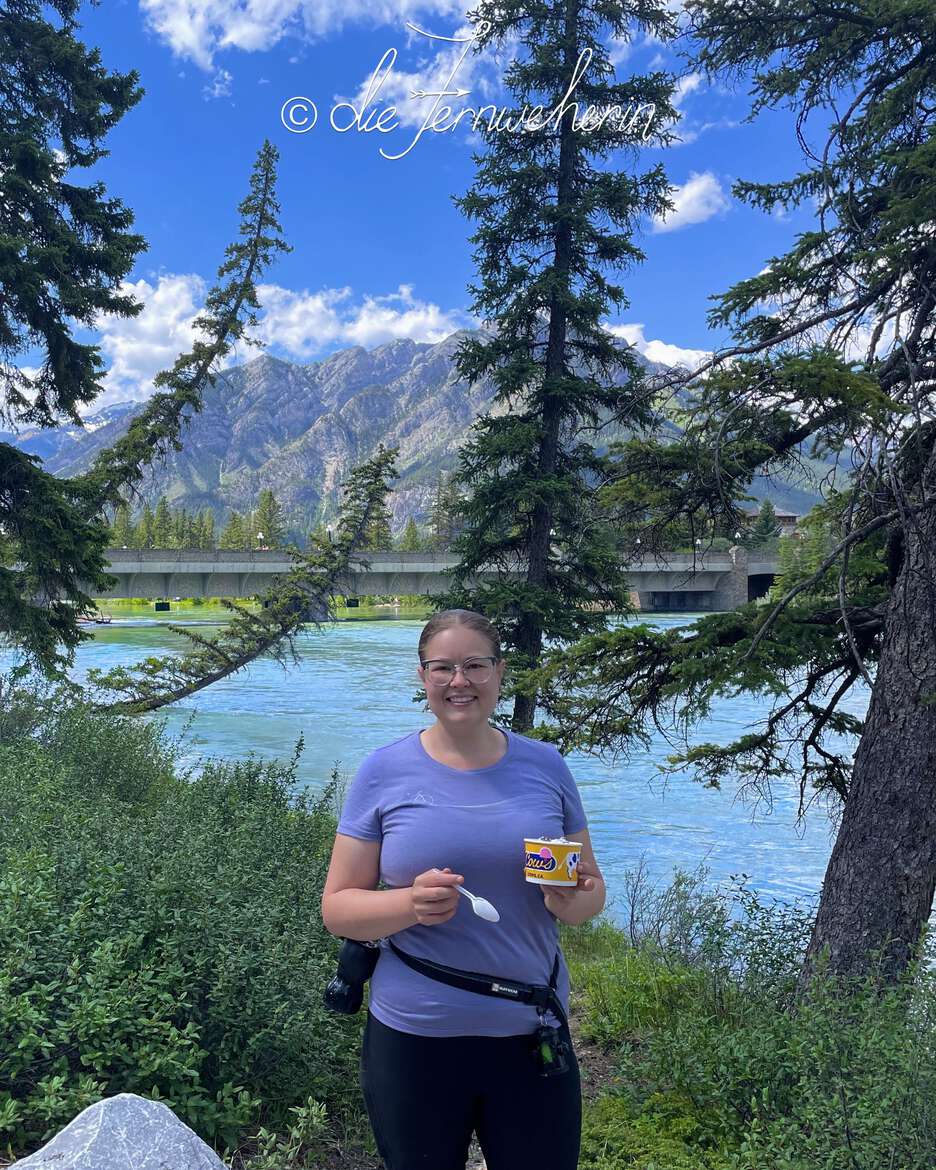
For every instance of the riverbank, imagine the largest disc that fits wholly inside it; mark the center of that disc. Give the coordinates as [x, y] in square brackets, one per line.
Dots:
[194, 608]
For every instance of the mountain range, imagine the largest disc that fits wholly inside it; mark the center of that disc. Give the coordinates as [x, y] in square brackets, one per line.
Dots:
[298, 429]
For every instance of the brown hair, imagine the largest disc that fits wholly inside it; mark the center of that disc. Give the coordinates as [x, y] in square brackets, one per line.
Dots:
[460, 617]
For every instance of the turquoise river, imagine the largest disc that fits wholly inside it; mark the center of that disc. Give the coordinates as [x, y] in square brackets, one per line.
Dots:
[353, 690]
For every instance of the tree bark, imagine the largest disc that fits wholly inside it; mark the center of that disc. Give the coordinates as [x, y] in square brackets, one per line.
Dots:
[529, 635]
[878, 889]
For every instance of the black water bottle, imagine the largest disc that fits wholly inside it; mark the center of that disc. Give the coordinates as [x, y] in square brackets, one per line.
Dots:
[356, 963]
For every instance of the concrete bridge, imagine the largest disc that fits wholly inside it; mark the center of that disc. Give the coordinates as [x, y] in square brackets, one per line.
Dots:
[675, 581]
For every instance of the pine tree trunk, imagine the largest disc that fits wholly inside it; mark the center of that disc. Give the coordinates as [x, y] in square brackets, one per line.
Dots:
[879, 885]
[529, 634]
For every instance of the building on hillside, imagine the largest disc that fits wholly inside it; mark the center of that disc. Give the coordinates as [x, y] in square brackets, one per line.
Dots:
[786, 520]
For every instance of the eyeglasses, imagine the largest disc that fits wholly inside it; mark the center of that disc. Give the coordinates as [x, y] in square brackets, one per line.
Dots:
[475, 670]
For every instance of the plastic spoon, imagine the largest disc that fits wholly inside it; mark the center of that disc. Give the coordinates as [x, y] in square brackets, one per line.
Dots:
[481, 906]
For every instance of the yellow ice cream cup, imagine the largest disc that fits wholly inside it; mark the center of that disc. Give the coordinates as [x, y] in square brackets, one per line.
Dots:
[551, 861]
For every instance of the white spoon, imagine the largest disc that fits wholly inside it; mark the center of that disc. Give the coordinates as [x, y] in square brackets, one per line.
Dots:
[481, 906]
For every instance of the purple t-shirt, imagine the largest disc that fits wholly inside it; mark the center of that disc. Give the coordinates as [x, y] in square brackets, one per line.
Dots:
[427, 814]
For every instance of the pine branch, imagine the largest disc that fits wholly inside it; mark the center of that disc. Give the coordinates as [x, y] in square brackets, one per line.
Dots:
[298, 597]
[230, 309]
[854, 537]
[50, 557]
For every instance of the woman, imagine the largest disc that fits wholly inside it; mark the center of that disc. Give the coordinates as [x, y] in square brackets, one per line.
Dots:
[443, 807]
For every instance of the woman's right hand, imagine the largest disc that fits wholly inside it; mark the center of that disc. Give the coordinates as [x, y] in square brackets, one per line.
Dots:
[434, 896]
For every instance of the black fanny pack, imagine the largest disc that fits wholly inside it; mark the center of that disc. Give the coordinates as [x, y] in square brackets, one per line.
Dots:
[550, 1046]
[540, 995]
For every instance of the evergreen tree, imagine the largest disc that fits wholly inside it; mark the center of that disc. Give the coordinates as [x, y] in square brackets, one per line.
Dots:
[864, 75]
[409, 540]
[817, 543]
[766, 528]
[206, 529]
[122, 531]
[145, 531]
[379, 537]
[553, 218]
[68, 240]
[438, 521]
[444, 513]
[67, 249]
[268, 519]
[234, 534]
[162, 525]
[229, 310]
[178, 528]
[67, 246]
[190, 530]
[790, 570]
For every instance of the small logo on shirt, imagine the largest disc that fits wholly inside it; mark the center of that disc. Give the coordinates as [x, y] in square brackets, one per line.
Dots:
[420, 798]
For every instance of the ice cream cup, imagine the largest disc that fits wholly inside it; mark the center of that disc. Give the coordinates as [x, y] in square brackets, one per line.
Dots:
[551, 861]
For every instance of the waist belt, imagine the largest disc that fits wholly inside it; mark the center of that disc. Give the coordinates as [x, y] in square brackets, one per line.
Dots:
[540, 995]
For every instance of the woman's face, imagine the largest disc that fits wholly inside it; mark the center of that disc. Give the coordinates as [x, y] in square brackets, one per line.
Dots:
[462, 703]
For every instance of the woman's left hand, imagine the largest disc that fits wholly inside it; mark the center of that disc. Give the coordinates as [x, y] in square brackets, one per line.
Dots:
[563, 901]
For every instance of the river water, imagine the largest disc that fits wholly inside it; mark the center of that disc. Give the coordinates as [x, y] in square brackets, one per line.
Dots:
[353, 689]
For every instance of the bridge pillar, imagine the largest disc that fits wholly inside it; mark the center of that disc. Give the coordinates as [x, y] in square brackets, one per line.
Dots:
[732, 590]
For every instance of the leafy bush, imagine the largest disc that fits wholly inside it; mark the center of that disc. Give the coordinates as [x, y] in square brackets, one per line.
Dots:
[719, 1066]
[665, 1135]
[159, 933]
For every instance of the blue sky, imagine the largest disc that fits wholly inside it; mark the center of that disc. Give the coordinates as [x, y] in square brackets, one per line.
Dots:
[379, 249]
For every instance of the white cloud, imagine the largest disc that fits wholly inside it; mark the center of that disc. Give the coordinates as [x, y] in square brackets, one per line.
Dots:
[858, 345]
[138, 347]
[219, 86]
[700, 198]
[685, 86]
[197, 29]
[690, 131]
[619, 50]
[304, 323]
[400, 314]
[659, 351]
[300, 324]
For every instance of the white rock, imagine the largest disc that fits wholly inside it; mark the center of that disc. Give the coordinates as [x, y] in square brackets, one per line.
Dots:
[125, 1132]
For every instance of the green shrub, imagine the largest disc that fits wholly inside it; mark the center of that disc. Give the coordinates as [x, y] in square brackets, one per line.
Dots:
[847, 1082]
[665, 1135]
[634, 992]
[719, 1065]
[160, 934]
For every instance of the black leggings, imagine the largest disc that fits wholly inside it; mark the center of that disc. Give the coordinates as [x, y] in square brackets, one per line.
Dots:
[426, 1094]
